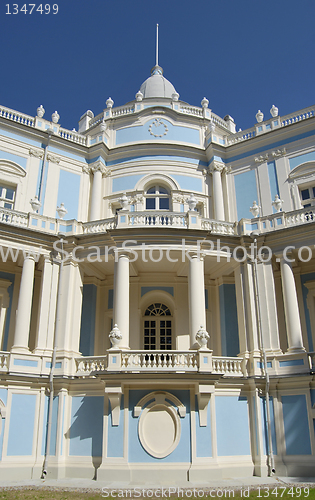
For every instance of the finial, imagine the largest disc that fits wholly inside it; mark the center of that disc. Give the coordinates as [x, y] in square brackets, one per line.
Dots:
[157, 46]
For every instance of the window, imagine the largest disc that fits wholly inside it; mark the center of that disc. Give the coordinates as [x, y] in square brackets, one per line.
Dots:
[7, 197]
[308, 196]
[157, 198]
[157, 328]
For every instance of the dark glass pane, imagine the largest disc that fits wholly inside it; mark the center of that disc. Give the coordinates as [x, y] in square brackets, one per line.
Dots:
[168, 331]
[146, 331]
[8, 205]
[10, 194]
[164, 204]
[146, 324]
[162, 324]
[152, 324]
[305, 194]
[150, 203]
[313, 192]
[163, 190]
[168, 324]
[307, 205]
[162, 340]
[151, 190]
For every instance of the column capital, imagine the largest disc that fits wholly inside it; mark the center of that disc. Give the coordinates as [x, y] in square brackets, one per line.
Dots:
[98, 166]
[218, 166]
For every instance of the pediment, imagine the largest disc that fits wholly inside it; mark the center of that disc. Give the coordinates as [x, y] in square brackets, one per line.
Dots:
[306, 169]
[11, 168]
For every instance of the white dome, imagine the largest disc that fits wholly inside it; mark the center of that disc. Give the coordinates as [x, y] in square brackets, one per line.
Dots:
[156, 85]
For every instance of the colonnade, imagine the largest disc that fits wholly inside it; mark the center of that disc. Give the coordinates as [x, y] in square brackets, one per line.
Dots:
[60, 305]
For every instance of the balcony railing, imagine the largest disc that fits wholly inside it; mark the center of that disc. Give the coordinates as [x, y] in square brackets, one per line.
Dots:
[160, 361]
[276, 221]
[161, 219]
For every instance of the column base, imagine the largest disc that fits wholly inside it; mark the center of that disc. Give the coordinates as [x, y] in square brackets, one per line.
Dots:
[295, 350]
[16, 349]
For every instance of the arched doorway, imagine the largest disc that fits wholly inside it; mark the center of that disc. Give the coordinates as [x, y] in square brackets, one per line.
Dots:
[157, 327]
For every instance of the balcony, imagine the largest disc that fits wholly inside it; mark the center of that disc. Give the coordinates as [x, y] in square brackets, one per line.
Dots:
[159, 219]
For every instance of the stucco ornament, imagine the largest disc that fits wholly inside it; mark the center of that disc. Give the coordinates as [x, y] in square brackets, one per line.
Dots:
[274, 111]
[192, 202]
[109, 102]
[259, 116]
[40, 111]
[124, 202]
[35, 204]
[175, 96]
[255, 209]
[115, 336]
[55, 117]
[202, 337]
[158, 128]
[205, 102]
[103, 126]
[61, 211]
[277, 203]
[139, 96]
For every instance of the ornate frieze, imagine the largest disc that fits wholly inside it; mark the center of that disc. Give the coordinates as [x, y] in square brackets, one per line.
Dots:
[261, 158]
[278, 153]
[158, 128]
[53, 158]
[38, 153]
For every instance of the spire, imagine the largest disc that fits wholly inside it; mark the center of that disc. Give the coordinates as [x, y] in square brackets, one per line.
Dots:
[157, 46]
[157, 70]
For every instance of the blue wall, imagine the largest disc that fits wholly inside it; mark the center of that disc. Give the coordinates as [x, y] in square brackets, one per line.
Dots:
[232, 425]
[137, 453]
[87, 332]
[53, 436]
[297, 160]
[68, 193]
[273, 180]
[3, 397]
[296, 428]
[228, 320]
[272, 424]
[142, 133]
[17, 159]
[203, 434]
[115, 439]
[246, 193]
[22, 421]
[129, 182]
[86, 429]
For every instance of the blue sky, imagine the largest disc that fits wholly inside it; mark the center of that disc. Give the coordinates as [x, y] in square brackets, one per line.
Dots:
[243, 55]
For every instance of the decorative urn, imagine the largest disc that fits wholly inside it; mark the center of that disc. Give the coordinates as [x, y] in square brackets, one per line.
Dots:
[274, 111]
[202, 337]
[115, 336]
[40, 111]
[259, 116]
[55, 117]
[255, 209]
[61, 211]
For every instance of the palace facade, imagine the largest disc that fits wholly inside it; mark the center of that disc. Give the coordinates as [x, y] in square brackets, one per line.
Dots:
[157, 292]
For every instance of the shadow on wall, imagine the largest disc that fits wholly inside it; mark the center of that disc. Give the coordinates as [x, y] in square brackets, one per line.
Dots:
[86, 429]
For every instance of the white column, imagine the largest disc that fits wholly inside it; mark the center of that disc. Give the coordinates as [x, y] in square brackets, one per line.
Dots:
[69, 304]
[217, 191]
[121, 298]
[291, 307]
[98, 170]
[47, 309]
[196, 290]
[23, 317]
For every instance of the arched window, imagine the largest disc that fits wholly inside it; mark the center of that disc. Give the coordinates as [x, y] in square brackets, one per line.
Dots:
[157, 198]
[158, 327]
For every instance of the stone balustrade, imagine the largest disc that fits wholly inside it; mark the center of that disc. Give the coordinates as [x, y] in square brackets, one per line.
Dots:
[144, 361]
[159, 361]
[4, 361]
[157, 219]
[276, 221]
[17, 117]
